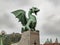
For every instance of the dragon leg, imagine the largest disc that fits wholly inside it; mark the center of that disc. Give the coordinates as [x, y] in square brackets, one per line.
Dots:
[25, 29]
[22, 30]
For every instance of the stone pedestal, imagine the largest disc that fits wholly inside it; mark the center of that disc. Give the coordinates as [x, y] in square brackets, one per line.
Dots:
[29, 38]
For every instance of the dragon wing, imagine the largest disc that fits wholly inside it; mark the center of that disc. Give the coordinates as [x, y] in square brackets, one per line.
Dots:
[21, 15]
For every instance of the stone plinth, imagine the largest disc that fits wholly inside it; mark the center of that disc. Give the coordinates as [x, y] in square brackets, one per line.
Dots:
[29, 38]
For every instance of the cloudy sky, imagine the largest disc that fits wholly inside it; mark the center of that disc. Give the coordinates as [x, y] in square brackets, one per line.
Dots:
[48, 19]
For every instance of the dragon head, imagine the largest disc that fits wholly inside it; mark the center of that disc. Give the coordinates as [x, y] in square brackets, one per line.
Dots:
[34, 10]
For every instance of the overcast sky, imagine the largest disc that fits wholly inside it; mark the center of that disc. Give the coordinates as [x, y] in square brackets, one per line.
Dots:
[48, 19]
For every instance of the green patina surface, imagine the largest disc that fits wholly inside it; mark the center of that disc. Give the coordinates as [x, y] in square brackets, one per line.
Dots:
[30, 22]
[1, 40]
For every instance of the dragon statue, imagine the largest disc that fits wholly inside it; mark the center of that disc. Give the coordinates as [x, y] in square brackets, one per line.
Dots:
[30, 22]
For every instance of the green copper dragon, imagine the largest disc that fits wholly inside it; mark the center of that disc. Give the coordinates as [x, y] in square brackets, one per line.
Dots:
[30, 22]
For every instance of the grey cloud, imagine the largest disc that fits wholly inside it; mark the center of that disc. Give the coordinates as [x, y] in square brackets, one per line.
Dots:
[9, 21]
[55, 2]
[52, 27]
[19, 2]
